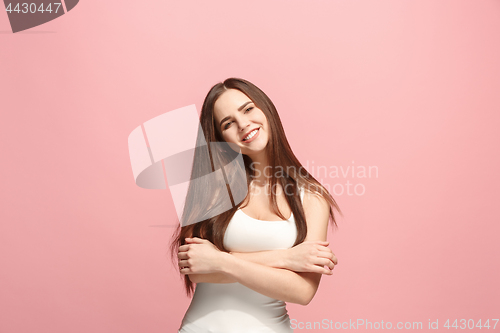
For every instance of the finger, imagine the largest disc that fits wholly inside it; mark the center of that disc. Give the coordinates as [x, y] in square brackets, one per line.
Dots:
[330, 264]
[333, 258]
[183, 263]
[183, 248]
[182, 255]
[323, 247]
[185, 271]
[194, 240]
[325, 271]
[329, 255]
[325, 262]
[317, 269]
[325, 252]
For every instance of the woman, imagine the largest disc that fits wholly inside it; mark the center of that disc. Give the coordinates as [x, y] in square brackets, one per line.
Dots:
[250, 259]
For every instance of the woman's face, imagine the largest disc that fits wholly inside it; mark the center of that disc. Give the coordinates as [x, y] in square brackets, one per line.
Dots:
[240, 122]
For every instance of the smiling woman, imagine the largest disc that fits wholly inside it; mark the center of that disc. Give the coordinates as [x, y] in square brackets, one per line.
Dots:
[248, 263]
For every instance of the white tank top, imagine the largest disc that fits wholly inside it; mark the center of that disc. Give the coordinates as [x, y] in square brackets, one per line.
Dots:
[232, 307]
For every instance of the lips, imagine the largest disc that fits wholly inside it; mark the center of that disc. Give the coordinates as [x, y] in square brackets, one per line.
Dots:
[256, 128]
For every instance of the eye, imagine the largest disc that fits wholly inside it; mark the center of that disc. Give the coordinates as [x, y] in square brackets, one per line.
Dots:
[229, 123]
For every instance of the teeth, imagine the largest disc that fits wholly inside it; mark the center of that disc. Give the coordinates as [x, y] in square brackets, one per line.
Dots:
[250, 135]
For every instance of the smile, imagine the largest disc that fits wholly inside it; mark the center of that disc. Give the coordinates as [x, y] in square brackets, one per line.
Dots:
[250, 137]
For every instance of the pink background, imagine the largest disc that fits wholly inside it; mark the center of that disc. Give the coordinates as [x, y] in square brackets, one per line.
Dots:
[408, 86]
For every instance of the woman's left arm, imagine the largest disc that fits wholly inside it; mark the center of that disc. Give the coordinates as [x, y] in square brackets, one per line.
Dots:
[295, 287]
[317, 212]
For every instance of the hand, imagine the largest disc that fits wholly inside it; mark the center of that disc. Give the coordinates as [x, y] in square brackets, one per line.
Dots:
[199, 256]
[311, 256]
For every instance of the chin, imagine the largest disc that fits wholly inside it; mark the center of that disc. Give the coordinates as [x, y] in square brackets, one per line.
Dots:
[250, 152]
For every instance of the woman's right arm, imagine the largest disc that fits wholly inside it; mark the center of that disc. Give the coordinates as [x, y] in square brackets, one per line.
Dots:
[271, 258]
[211, 278]
[309, 256]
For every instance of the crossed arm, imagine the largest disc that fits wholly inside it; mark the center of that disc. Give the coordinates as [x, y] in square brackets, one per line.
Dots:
[291, 275]
[309, 256]
[267, 258]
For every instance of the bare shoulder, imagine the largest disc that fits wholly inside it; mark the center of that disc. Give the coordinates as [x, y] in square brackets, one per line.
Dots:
[317, 211]
[315, 202]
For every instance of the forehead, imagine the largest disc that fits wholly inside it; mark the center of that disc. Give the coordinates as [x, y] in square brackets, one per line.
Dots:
[229, 102]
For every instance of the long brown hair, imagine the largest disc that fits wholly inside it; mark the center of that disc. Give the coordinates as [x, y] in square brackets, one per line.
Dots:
[208, 160]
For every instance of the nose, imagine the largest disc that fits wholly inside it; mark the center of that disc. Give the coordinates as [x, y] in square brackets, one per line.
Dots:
[243, 123]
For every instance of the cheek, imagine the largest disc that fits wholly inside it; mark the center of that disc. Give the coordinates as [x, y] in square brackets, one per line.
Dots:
[265, 123]
[263, 119]
[229, 136]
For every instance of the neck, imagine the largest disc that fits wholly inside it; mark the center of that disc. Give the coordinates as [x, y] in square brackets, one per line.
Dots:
[261, 166]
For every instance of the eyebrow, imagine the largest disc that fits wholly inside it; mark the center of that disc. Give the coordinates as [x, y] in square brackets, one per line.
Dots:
[239, 109]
